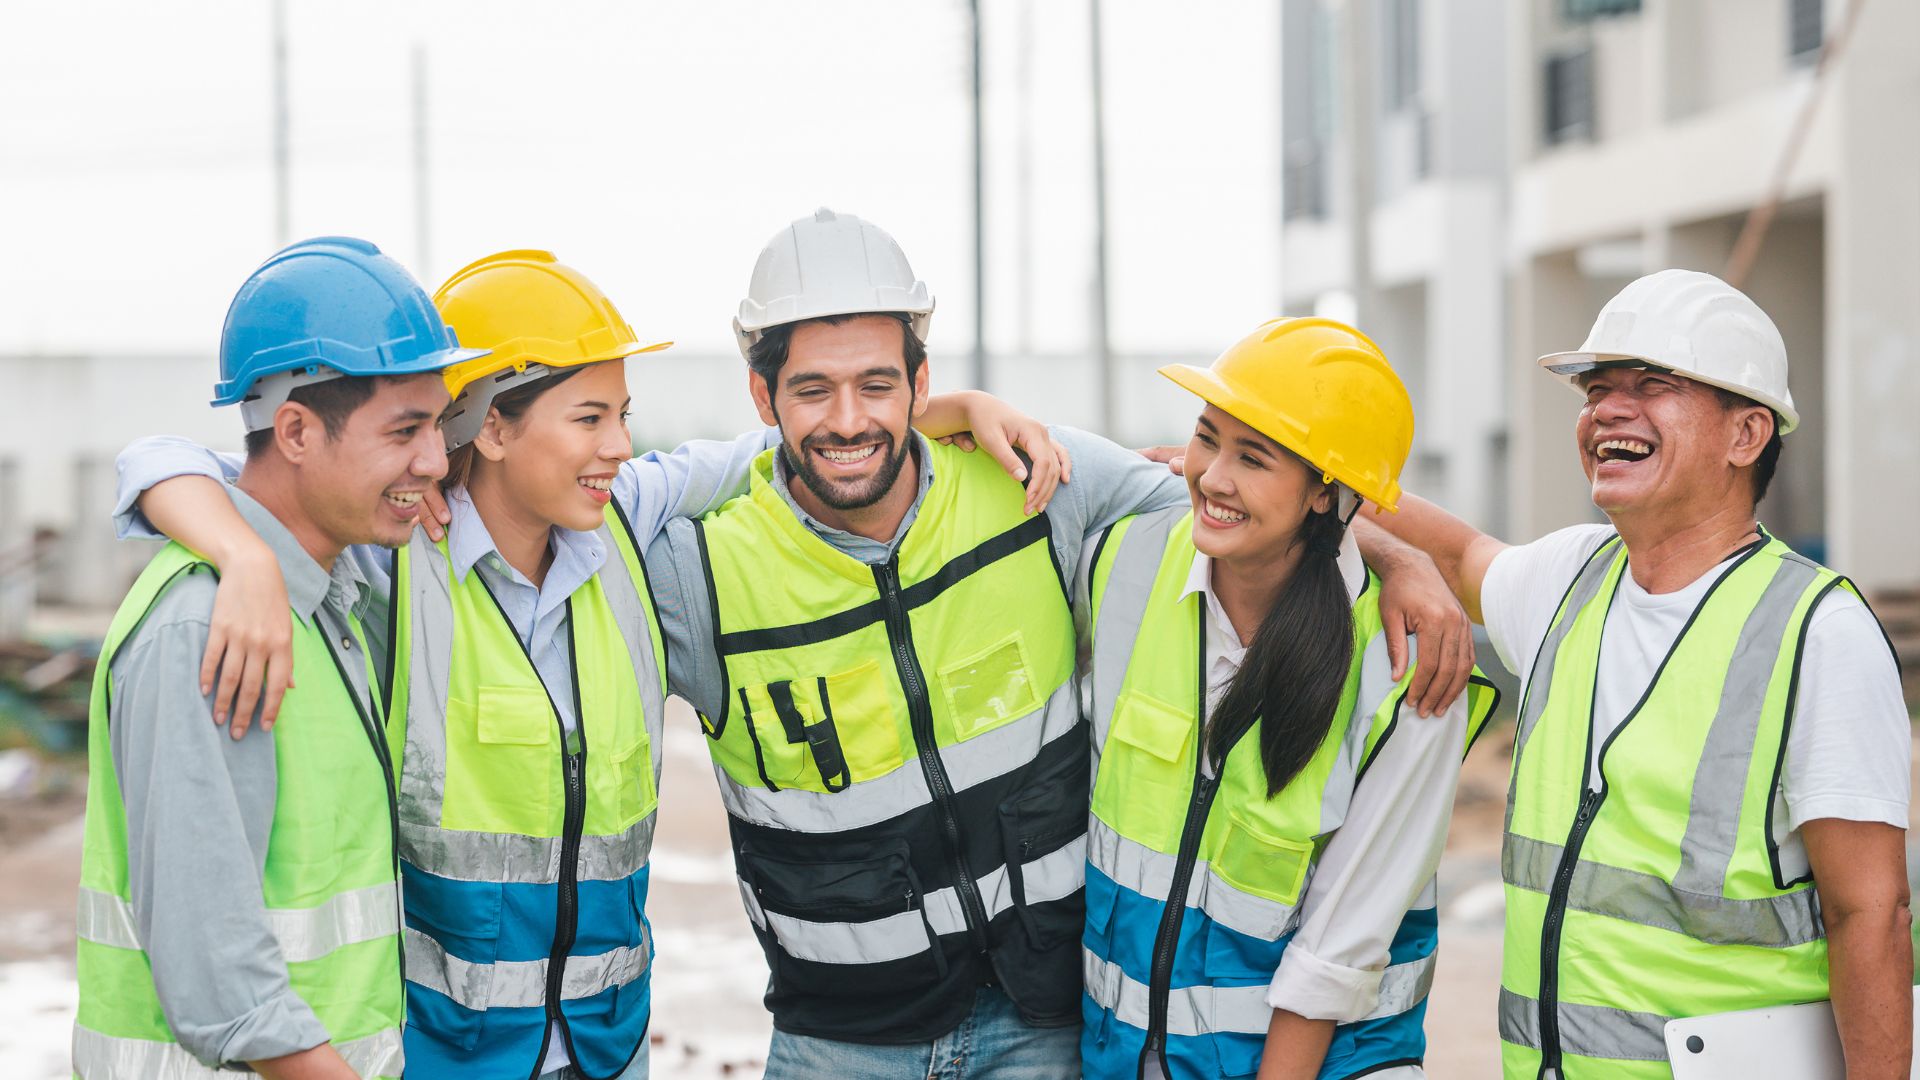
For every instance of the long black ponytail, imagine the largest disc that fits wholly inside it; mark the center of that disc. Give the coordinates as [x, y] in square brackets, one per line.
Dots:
[1296, 667]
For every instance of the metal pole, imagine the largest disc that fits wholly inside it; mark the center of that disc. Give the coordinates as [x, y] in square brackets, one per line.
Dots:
[282, 230]
[1360, 134]
[1102, 347]
[422, 216]
[1023, 240]
[979, 214]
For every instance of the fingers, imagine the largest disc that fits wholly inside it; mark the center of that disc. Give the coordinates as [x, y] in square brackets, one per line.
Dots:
[1044, 481]
[1178, 464]
[964, 440]
[437, 516]
[231, 669]
[279, 678]
[251, 676]
[1396, 631]
[210, 664]
[1460, 672]
[1066, 463]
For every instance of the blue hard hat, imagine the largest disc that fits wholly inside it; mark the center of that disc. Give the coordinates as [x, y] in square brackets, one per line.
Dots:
[332, 302]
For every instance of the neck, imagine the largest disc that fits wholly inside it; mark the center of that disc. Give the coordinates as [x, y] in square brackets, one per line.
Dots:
[879, 520]
[273, 483]
[1249, 587]
[1664, 557]
[522, 538]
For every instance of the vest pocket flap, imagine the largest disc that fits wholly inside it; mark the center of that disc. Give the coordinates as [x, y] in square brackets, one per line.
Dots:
[1147, 723]
[514, 716]
[853, 889]
[989, 688]
[1255, 859]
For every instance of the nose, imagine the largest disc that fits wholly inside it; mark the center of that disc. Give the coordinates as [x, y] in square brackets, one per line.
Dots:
[847, 419]
[1217, 480]
[1618, 403]
[430, 453]
[618, 443]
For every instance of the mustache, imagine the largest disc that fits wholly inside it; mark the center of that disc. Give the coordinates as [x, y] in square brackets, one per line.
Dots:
[828, 440]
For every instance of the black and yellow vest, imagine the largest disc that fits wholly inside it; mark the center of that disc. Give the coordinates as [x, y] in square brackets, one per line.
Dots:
[902, 758]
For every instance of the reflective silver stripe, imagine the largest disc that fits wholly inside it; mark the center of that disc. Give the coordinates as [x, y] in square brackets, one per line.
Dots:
[423, 761]
[1720, 779]
[1593, 1031]
[1586, 586]
[105, 919]
[1402, 986]
[1053, 876]
[636, 631]
[515, 859]
[508, 984]
[1140, 869]
[304, 934]
[1123, 605]
[1191, 1010]
[1774, 922]
[103, 1057]
[868, 802]
[347, 918]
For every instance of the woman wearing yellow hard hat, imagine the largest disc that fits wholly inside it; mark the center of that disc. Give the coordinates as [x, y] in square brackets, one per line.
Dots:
[1253, 908]
[528, 675]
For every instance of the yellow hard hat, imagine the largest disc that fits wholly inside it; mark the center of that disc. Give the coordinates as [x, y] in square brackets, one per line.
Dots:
[536, 313]
[1321, 389]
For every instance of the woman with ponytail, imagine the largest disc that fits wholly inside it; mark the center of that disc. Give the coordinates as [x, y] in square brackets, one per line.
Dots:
[1267, 817]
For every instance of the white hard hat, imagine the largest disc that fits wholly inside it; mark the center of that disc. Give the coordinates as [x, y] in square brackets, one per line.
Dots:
[1692, 324]
[830, 264]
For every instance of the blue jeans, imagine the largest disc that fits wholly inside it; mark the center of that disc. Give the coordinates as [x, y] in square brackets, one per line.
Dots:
[992, 1043]
[637, 1070]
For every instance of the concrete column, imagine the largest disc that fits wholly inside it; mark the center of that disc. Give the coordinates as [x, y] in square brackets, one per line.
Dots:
[1552, 310]
[1873, 304]
[16, 572]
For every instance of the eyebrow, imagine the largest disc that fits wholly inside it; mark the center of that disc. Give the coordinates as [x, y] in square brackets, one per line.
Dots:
[1265, 448]
[412, 416]
[591, 405]
[886, 372]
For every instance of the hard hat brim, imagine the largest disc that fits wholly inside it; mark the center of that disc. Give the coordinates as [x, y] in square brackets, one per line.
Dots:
[1570, 365]
[1207, 385]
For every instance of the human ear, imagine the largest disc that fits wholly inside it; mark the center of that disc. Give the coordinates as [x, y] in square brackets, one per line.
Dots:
[921, 382]
[762, 399]
[1753, 430]
[297, 431]
[489, 443]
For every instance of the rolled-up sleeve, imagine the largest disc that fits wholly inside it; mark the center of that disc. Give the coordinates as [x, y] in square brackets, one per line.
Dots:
[146, 462]
[1374, 869]
[199, 811]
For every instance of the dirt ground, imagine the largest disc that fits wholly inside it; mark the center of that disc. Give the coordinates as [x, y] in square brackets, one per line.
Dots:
[708, 1021]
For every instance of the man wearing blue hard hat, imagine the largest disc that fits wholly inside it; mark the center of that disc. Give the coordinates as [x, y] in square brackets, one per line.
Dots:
[239, 900]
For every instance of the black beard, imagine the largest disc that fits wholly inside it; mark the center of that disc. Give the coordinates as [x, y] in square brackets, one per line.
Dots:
[846, 495]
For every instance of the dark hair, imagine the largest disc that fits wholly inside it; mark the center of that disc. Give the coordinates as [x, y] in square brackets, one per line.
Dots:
[769, 354]
[512, 405]
[332, 401]
[1296, 669]
[1769, 458]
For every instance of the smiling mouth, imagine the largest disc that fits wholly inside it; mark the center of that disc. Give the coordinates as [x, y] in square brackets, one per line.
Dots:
[1221, 514]
[597, 483]
[848, 457]
[1623, 450]
[408, 501]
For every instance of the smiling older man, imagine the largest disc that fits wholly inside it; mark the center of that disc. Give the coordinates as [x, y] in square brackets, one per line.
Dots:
[1709, 794]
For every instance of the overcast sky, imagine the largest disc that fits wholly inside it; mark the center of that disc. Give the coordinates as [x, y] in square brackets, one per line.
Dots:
[655, 146]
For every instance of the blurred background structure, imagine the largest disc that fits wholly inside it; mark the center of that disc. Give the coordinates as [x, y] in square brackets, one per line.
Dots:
[1091, 189]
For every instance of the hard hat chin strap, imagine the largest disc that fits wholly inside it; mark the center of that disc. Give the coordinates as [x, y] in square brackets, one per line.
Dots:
[269, 392]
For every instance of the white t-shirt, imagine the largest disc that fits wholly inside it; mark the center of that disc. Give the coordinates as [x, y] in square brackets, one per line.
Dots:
[1848, 750]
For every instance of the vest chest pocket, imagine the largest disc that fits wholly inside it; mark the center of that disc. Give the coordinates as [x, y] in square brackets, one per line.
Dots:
[501, 754]
[989, 688]
[1148, 778]
[824, 733]
[1256, 859]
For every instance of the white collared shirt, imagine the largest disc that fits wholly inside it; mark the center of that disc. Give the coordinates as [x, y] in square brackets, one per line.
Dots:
[1381, 860]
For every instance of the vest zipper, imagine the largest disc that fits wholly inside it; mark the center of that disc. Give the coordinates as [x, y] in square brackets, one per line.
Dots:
[1166, 942]
[573, 823]
[920, 712]
[1550, 932]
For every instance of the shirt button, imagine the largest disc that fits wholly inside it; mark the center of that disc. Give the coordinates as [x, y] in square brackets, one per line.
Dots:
[346, 643]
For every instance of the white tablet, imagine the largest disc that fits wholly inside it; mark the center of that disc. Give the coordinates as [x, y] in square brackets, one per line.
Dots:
[1785, 1040]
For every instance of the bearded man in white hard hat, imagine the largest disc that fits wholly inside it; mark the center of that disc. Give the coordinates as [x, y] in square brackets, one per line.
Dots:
[1709, 796]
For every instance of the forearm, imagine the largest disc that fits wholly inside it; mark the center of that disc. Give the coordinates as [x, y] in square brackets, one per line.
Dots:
[950, 413]
[322, 1062]
[196, 511]
[1870, 954]
[1460, 551]
[1295, 1047]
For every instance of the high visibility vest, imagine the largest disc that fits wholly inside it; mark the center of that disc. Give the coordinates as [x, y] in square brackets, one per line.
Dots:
[329, 883]
[902, 757]
[525, 852]
[1662, 894]
[1194, 882]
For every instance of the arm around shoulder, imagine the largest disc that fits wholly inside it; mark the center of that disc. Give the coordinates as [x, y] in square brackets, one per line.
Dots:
[1461, 552]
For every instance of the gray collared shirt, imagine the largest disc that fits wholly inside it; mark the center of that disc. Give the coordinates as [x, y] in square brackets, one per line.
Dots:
[200, 806]
[1109, 483]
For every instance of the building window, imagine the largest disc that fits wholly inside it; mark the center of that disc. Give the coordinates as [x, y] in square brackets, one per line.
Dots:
[1804, 29]
[1307, 104]
[1584, 10]
[1569, 96]
[1402, 54]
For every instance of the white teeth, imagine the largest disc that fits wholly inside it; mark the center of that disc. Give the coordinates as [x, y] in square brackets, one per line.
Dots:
[848, 457]
[1222, 514]
[597, 483]
[404, 498]
[1631, 446]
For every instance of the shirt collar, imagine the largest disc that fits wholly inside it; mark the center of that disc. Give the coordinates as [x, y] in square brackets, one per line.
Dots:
[1353, 572]
[921, 453]
[308, 583]
[468, 541]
